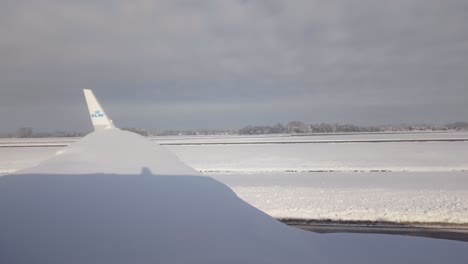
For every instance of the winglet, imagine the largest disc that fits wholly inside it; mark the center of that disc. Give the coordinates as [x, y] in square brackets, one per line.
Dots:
[99, 118]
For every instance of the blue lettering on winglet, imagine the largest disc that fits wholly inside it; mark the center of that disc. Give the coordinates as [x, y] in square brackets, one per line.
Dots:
[97, 113]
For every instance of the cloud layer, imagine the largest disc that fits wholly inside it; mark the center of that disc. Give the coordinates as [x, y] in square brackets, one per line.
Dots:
[213, 64]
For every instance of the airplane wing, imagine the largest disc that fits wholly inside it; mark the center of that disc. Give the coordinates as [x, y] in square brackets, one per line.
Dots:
[111, 150]
[116, 197]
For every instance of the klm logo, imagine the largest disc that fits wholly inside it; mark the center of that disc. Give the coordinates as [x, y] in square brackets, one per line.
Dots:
[97, 113]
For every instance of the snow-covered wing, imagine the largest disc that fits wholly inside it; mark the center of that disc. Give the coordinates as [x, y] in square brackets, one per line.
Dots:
[113, 151]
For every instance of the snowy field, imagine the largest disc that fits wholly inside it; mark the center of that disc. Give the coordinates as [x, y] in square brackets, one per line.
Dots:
[290, 177]
[423, 197]
[13, 159]
[348, 157]
[292, 138]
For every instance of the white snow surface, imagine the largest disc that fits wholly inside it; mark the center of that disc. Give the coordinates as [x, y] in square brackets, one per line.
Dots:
[390, 156]
[426, 197]
[299, 157]
[289, 138]
[318, 137]
[13, 159]
[113, 198]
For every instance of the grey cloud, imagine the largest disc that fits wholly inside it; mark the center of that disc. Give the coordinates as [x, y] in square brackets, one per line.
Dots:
[255, 61]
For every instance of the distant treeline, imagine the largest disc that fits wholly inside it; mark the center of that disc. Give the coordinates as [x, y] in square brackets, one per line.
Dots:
[293, 127]
[27, 132]
[296, 127]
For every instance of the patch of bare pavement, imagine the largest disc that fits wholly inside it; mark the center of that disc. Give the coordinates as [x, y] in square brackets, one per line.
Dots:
[457, 232]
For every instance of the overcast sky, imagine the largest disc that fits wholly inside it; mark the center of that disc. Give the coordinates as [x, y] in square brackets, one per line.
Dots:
[226, 64]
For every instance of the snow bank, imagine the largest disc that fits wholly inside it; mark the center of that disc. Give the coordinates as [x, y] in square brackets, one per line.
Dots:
[391, 196]
[359, 204]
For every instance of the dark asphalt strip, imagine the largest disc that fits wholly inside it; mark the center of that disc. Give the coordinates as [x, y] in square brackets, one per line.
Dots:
[316, 142]
[439, 231]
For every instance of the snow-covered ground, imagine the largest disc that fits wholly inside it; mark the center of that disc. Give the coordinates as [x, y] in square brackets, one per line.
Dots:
[113, 197]
[426, 197]
[283, 138]
[13, 159]
[287, 138]
[223, 154]
[420, 182]
[392, 156]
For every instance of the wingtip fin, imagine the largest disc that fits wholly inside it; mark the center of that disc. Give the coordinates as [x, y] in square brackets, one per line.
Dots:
[99, 118]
